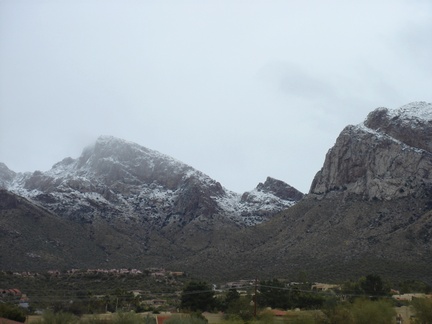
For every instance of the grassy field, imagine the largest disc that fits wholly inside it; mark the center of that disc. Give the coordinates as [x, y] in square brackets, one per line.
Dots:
[217, 318]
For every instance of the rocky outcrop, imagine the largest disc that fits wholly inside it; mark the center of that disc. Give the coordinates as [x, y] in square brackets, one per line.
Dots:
[6, 175]
[280, 189]
[388, 156]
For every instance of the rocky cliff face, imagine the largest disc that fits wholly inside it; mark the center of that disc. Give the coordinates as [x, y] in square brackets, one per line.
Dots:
[387, 157]
[6, 175]
[116, 179]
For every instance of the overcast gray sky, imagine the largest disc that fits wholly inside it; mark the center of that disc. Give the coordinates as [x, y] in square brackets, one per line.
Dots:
[238, 89]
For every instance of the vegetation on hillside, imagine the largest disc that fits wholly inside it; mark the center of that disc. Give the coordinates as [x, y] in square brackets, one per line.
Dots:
[65, 298]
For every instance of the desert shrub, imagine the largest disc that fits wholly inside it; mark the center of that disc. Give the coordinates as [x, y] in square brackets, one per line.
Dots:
[377, 312]
[95, 320]
[185, 320]
[304, 319]
[149, 320]
[12, 312]
[362, 311]
[409, 286]
[423, 310]
[127, 318]
[266, 317]
[233, 319]
[340, 314]
[57, 318]
[241, 308]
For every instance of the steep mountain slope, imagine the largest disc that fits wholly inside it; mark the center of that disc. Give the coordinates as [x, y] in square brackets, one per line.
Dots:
[131, 206]
[369, 208]
[32, 237]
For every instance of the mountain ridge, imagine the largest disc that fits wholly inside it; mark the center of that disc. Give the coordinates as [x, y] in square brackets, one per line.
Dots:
[369, 210]
[120, 176]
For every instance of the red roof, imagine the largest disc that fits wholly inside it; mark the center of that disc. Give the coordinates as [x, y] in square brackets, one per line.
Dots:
[161, 319]
[278, 312]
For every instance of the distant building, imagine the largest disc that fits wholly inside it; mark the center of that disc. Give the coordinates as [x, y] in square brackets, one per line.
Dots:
[409, 297]
[325, 287]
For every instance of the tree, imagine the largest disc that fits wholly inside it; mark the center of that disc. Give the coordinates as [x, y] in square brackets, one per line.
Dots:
[197, 296]
[274, 294]
[373, 285]
[409, 286]
[240, 309]
[231, 297]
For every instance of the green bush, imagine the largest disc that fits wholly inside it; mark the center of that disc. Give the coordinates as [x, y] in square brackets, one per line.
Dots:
[241, 308]
[377, 312]
[94, 320]
[149, 320]
[423, 310]
[127, 318]
[340, 314]
[304, 319]
[12, 312]
[233, 319]
[362, 311]
[49, 317]
[185, 320]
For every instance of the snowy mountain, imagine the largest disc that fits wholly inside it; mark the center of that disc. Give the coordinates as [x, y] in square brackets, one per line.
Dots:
[369, 210]
[117, 179]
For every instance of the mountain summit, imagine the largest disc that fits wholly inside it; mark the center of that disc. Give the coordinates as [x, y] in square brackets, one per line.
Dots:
[117, 179]
[387, 156]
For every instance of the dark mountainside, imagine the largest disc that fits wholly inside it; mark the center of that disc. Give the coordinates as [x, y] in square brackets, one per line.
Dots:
[369, 210]
[30, 235]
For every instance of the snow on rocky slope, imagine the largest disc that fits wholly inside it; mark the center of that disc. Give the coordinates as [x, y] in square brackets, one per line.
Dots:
[117, 179]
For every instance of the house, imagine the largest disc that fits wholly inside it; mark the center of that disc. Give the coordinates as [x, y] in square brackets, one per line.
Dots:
[234, 285]
[176, 273]
[325, 287]
[151, 270]
[410, 297]
[155, 302]
[10, 292]
[158, 274]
